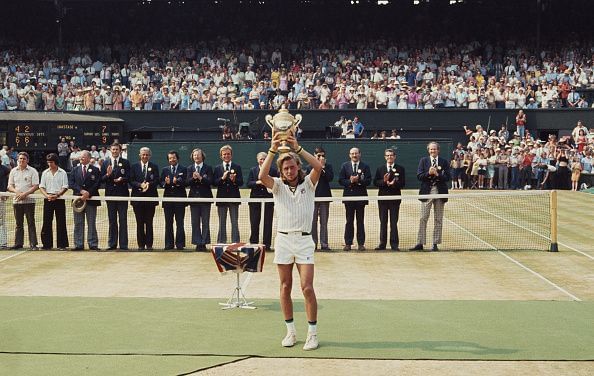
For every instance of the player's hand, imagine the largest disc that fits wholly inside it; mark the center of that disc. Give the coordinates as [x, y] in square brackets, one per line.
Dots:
[386, 177]
[167, 180]
[109, 170]
[292, 141]
[196, 175]
[275, 142]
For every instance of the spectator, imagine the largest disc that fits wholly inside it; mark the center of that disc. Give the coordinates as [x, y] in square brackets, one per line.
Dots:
[258, 190]
[358, 127]
[4, 172]
[390, 179]
[144, 180]
[54, 184]
[228, 178]
[63, 153]
[115, 173]
[75, 156]
[84, 180]
[173, 181]
[521, 123]
[322, 208]
[576, 170]
[23, 180]
[434, 173]
[354, 176]
[200, 179]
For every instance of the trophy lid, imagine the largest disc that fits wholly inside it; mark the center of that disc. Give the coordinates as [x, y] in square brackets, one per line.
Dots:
[283, 120]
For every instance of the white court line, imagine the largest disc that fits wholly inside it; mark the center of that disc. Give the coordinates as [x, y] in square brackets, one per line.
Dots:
[11, 256]
[517, 262]
[508, 221]
[576, 250]
[527, 229]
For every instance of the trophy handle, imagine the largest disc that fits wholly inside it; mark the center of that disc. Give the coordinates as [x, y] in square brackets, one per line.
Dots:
[268, 119]
[298, 119]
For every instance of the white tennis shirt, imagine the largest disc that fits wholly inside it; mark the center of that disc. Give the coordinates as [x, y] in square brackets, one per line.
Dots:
[294, 210]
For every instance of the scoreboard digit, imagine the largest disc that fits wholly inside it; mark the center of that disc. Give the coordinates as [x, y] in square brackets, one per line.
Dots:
[28, 136]
[47, 136]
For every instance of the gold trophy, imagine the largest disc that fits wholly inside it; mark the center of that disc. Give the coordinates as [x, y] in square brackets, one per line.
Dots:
[283, 123]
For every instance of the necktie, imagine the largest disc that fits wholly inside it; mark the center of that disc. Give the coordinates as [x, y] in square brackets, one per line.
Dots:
[434, 162]
[355, 167]
[115, 163]
[226, 166]
[84, 171]
[172, 170]
[144, 171]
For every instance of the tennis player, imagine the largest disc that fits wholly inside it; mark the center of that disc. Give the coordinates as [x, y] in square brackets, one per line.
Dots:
[294, 195]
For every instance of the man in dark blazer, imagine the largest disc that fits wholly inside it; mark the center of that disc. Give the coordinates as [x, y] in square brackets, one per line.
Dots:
[116, 174]
[144, 180]
[84, 180]
[354, 176]
[390, 179]
[173, 180]
[322, 208]
[228, 178]
[199, 179]
[257, 190]
[434, 174]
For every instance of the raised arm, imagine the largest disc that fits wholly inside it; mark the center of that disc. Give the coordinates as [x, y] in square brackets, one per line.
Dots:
[264, 174]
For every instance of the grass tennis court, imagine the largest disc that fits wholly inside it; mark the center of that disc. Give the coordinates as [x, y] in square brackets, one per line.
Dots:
[527, 312]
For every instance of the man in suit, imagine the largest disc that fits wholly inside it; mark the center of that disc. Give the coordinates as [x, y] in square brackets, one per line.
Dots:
[144, 180]
[389, 178]
[354, 176]
[199, 179]
[116, 174]
[434, 174]
[258, 190]
[84, 182]
[228, 178]
[322, 208]
[173, 180]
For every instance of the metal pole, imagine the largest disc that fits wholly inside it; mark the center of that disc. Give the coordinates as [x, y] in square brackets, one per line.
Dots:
[553, 204]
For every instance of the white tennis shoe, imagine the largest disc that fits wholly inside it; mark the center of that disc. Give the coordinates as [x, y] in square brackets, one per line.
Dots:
[290, 340]
[311, 343]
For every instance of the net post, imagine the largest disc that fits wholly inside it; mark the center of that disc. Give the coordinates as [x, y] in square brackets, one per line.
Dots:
[553, 205]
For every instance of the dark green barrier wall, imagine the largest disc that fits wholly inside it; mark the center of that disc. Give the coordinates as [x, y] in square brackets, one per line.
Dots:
[408, 153]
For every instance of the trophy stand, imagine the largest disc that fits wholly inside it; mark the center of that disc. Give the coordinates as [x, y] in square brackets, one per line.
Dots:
[237, 299]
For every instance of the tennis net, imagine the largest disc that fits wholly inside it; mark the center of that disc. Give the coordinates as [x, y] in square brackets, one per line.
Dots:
[483, 220]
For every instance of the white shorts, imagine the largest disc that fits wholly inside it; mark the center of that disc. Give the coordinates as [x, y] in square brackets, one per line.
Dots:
[293, 247]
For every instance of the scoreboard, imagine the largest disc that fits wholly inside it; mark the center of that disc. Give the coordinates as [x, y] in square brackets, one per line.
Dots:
[28, 136]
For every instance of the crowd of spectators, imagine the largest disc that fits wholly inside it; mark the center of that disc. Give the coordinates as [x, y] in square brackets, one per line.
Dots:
[504, 159]
[222, 75]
